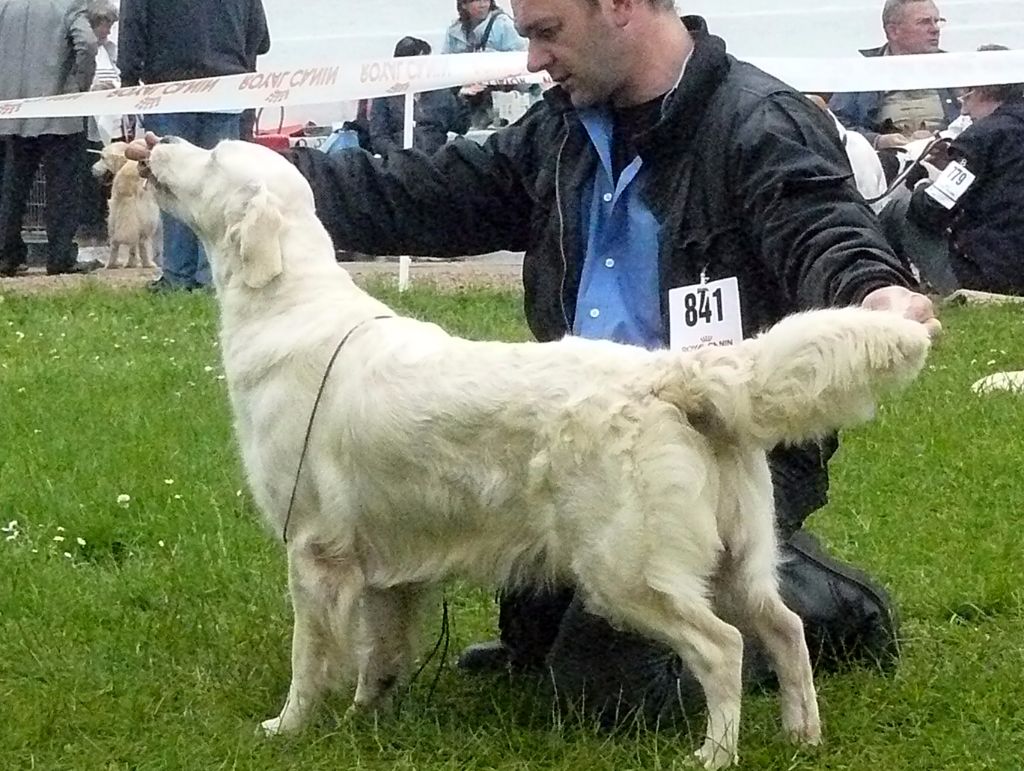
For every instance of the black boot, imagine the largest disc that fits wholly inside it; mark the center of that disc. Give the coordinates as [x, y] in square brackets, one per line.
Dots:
[615, 675]
[848, 618]
[529, 621]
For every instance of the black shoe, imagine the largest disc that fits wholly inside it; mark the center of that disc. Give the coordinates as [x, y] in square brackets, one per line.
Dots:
[848, 618]
[77, 268]
[10, 271]
[164, 285]
[486, 658]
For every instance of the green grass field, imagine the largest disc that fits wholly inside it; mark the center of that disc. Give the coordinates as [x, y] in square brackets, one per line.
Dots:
[143, 616]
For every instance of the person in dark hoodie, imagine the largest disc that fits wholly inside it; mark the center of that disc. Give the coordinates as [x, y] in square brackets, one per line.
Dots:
[436, 112]
[657, 160]
[975, 242]
[163, 41]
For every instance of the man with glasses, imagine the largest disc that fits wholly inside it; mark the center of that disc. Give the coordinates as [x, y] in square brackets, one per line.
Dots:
[892, 118]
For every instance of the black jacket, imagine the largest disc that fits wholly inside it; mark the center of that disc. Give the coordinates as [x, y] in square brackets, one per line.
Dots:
[436, 113]
[160, 40]
[986, 226]
[748, 179]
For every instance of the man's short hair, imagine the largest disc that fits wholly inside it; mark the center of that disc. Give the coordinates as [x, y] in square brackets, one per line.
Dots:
[665, 5]
[893, 9]
[1002, 92]
[99, 11]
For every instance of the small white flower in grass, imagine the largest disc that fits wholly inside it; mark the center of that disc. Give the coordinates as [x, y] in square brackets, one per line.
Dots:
[123, 500]
[168, 481]
[238, 493]
[145, 337]
[177, 497]
[60, 529]
[990, 363]
[20, 335]
[58, 538]
[21, 390]
[80, 541]
[160, 544]
[220, 377]
[207, 368]
[67, 554]
[117, 345]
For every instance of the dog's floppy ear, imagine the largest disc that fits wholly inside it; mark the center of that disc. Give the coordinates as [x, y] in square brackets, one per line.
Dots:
[257, 236]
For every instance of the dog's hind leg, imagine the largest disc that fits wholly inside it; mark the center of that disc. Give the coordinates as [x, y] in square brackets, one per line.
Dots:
[709, 647]
[325, 591]
[388, 632]
[747, 585]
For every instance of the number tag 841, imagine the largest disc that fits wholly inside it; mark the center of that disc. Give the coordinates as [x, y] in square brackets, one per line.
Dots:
[705, 314]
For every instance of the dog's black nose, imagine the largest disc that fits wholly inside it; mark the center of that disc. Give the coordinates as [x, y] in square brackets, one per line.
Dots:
[169, 140]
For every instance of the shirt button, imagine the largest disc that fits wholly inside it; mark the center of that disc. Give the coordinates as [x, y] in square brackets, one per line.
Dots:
[594, 313]
[609, 263]
[607, 197]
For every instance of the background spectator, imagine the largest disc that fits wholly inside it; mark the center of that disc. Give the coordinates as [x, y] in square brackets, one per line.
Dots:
[891, 118]
[436, 112]
[977, 243]
[46, 47]
[481, 26]
[101, 129]
[163, 41]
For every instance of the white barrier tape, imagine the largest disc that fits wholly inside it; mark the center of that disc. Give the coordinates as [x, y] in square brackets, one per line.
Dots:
[346, 81]
[343, 81]
[892, 73]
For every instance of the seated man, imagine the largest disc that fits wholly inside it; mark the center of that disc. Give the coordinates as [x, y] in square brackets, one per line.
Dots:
[892, 118]
[974, 242]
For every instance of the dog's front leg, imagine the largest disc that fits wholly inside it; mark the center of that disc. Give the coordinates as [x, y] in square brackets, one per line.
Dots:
[146, 252]
[115, 248]
[324, 593]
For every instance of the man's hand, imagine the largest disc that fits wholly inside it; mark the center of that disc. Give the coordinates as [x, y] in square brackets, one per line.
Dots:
[139, 149]
[887, 141]
[910, 305]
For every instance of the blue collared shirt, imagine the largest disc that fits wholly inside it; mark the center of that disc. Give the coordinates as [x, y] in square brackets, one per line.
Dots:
[618, 297]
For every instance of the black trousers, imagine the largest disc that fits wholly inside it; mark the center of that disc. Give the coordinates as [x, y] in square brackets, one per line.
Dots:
[61, 158]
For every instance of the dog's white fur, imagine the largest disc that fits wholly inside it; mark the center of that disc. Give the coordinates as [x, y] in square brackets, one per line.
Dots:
[1000, 381]
[133, 218]
[640, 476]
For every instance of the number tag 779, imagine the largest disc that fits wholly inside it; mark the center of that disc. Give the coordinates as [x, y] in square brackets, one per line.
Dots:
[705, 314]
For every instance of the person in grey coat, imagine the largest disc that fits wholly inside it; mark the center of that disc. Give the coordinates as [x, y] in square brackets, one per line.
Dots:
[46, 48]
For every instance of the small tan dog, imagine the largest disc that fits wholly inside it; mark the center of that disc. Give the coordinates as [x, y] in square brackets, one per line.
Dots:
[133, 223]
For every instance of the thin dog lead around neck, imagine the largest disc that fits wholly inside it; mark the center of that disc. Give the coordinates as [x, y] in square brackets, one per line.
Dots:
[312, 417]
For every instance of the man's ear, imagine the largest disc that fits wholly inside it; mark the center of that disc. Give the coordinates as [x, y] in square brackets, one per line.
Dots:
[257, 236]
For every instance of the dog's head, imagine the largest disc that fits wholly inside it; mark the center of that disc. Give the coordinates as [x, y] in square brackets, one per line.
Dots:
[111, 159]
[237, 197]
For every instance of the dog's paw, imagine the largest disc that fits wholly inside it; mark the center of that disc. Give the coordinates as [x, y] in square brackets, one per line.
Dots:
[275, 726]
[809, 733]
[713, 756]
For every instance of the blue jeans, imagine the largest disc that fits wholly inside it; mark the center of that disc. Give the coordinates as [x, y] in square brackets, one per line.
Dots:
[185, 261]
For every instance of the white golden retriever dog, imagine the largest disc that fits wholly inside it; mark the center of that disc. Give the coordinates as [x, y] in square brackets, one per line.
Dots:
[640, 476]
[133, 219]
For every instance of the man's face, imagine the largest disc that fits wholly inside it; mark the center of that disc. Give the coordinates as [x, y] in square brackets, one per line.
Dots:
[576, 43]
[916, 29]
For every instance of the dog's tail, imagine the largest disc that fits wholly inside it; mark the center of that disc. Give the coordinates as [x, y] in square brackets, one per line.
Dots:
[807, 376]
